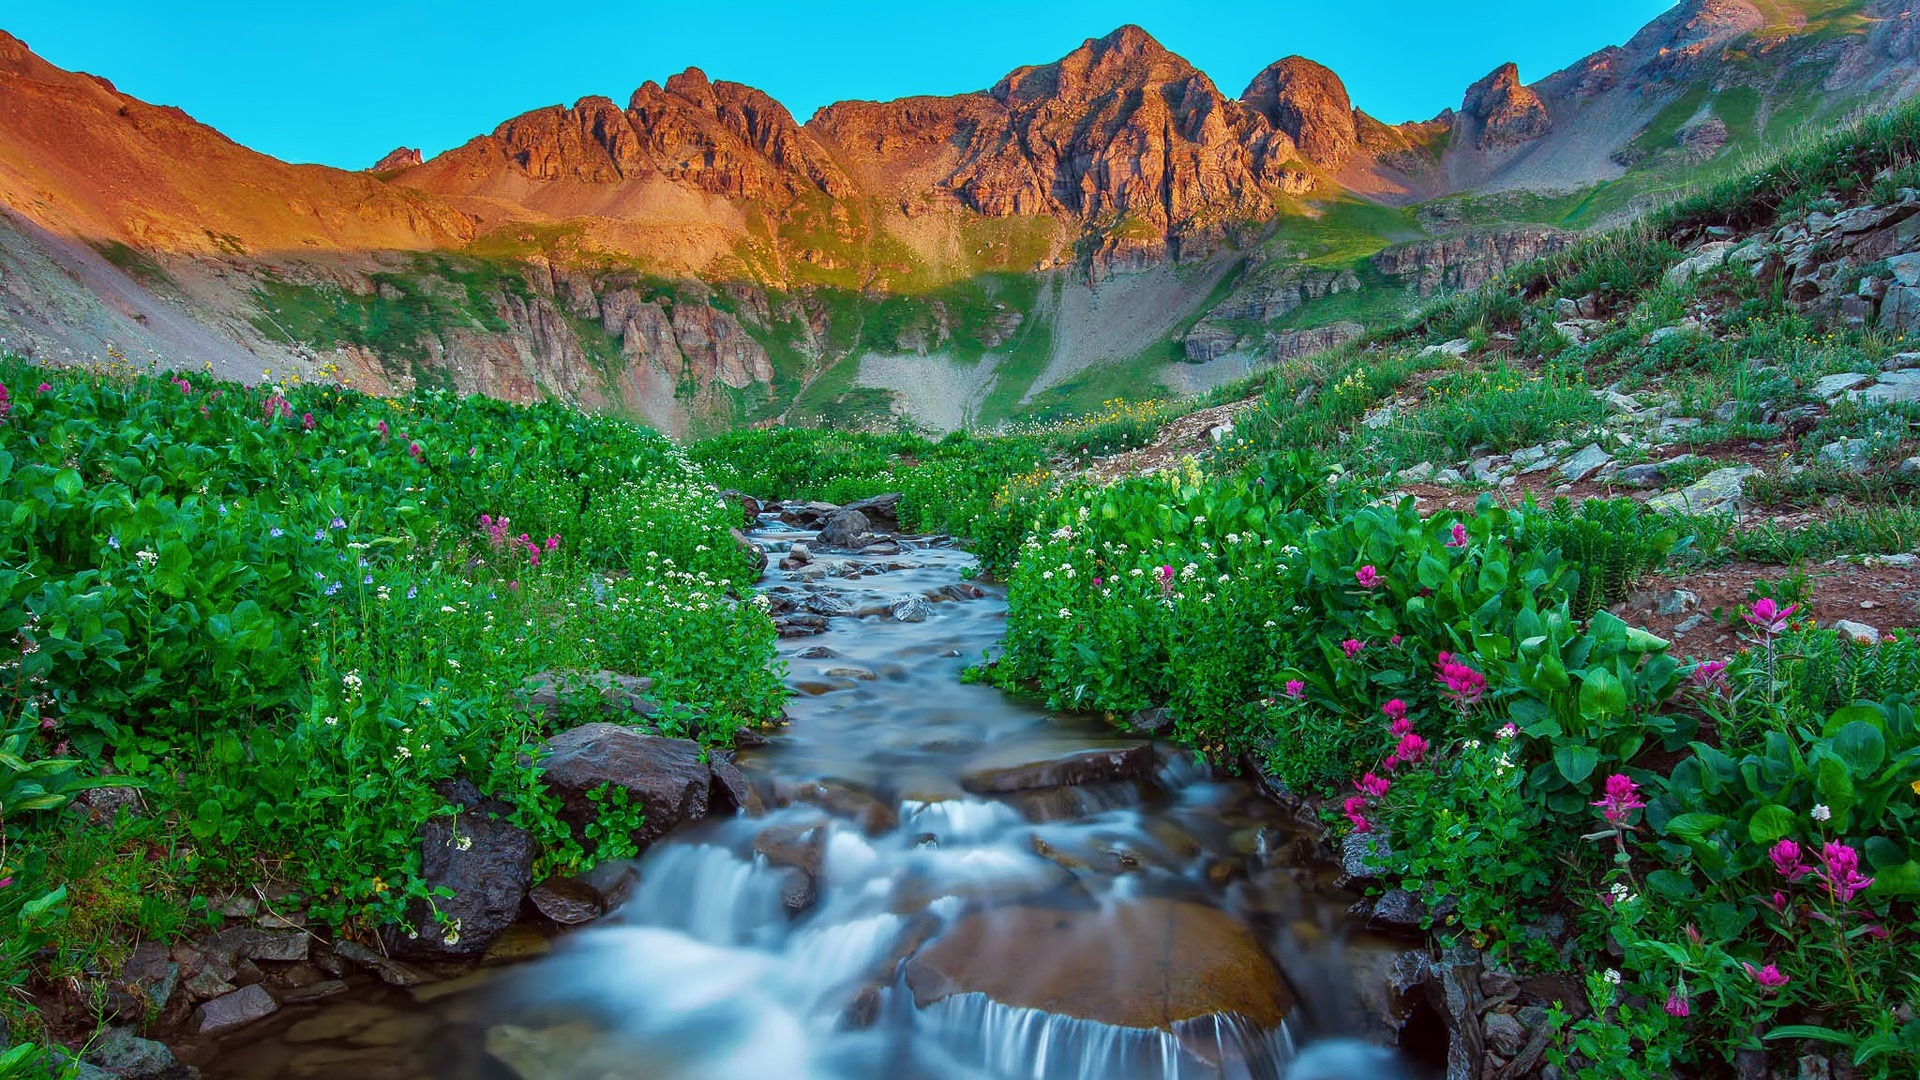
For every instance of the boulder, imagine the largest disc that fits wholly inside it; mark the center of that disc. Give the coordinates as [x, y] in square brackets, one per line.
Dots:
[882, 511]
[664, 776]
[909, 609]
[1857, 632]
[731, 792]
[485, 861]
[1149, 963]
[1833, 387]
[845, 530]
[1707, 258]
[1893, 387]
[749, 506]
[1584, 464]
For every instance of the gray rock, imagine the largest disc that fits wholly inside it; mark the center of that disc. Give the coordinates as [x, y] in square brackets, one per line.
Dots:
[1717, 492]
[1908, 469]
[1905, 268]
[1505, 1034]
[1398, 909]
[909, 609]
[1456, 348]
[1674, 601]
[1414, 474]
[1894, 386]
[235, 1010]
[1584, 464]
[1854, 455]
[882, 511]
[1486, 470]
[1832, 387]
[1900, 309]
[1619, 402]
[485, 861]
[151, 974]
[130, 1057]
[312, 992]
[1726, 412]
[1527, 455]
[1860, 633]
[1447, 476]
[1363, 856]
[845, 530]
[1706, 258]
[665, 776]
[1378, 418]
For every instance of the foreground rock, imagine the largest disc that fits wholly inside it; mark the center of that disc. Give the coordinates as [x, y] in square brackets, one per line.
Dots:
[1148, 964]
[664, 776]
[484, 861]
[845, 530]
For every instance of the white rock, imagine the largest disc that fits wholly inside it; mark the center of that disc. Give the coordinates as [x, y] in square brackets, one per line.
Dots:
[1861, 633]
[1830, 388]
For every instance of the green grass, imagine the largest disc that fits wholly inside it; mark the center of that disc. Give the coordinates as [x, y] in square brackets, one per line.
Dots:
[137, 264]
[1340, 232]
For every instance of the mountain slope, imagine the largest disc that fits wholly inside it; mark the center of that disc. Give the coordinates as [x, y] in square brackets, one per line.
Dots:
[699, 257]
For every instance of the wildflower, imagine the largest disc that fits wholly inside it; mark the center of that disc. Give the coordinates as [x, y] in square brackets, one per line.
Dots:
[6, 882]
[1374, 786]
[1820, 812]
[1786, 859]
[553, 544]
[1401, 726]
[1509, 730]
[1356, 811]
[333, 589]
[1395, 709]
[1367, 576]
[1166, 579]
[1463, 684]
[1411, 751]
[1295, 688]
[306, 421]
[381, 427]
[1622, 798]
[45, 388]
[1841, 870]
[113, 542]
[1612, 976]
[1459, 535]
[1352, 647]
[1677, 1002]
[413, 591]
[276, 532]
[1394, 640]
[414, 449]
[1768, 977]
[1711, 674]
[147, 557]
[6, 402]
[1770, 618]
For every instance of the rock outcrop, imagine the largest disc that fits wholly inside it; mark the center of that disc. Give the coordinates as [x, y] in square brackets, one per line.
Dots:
[1309, 103]
[1468, 260]
[401, 157]
[1504, 113]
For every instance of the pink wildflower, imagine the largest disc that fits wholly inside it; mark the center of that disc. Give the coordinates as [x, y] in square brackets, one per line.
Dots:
[1395, 709]
[1768, 977]
[553, 542]
[1166, 580]
[1711, 674]
[1509, 730]
[45, 388]
[6, 402]
[1770, 618]
[1096, 581]
[1842, 871]
[1622, 798]
[306, 421]
[6, 881]
[1356, 811]
[381, 427]
[1677, 1003]
[1296, 689]
[1352, 647]
[1394, 640]
[1779, 903]
[1374, 786]
[1459, 535]
[414, 449]
[533, 554]
[1786, 859]
[1401, 727]
[1367, 576]
[1463, 684]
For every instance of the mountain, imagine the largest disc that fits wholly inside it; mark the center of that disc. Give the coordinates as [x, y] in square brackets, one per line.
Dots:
[699, 257]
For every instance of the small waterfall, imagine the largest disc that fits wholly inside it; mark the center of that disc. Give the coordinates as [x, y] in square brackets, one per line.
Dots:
[1013, 1042]
[709, 893]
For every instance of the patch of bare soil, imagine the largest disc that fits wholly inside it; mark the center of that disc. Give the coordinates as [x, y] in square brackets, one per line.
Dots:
[1709, 627]
[1182, 438]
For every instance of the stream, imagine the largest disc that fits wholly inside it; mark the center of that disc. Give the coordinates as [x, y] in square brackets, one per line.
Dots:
[949, 884]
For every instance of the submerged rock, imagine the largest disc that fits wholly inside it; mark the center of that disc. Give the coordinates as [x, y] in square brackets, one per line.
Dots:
[1049, 763]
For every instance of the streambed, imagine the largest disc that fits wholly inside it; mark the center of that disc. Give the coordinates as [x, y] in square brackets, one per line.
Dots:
[948, 883]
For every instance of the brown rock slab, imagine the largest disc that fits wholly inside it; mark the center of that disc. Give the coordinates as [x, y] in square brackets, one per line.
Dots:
[1148, 964]
[567, 901]
[664, 776]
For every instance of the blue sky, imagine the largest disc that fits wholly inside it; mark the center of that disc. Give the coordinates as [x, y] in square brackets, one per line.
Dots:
[346, 81]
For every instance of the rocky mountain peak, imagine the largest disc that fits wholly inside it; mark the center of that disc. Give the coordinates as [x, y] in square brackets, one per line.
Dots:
[1310, 104]
[400, 157]
[692, 85]
[1503, 111]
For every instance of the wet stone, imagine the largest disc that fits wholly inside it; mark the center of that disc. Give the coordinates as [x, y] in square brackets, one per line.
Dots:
[235, 1010]
[567, 901]
[130, 1057]
[312, 992]
[1048, 763]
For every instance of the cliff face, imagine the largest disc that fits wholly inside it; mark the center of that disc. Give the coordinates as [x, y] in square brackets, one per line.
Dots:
[1468, 260]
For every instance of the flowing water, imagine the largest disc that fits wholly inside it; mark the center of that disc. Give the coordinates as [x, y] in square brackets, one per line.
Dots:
[950, 884]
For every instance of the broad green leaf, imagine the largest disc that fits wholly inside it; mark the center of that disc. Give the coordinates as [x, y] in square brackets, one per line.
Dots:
[1576, 761]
